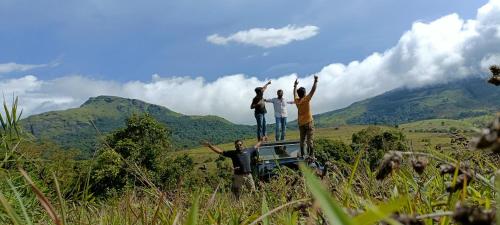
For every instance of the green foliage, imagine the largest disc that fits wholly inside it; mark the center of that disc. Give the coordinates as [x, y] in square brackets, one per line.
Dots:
[109, 173]
[139, 150]
[326, 149]
[141, 141]
[173, 172]
[140, 144]
[377, 142]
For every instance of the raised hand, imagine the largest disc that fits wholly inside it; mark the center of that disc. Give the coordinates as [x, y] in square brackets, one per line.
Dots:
[315, 78]
[296, 82]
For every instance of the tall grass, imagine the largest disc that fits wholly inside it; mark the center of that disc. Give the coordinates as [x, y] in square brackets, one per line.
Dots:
[348, 195]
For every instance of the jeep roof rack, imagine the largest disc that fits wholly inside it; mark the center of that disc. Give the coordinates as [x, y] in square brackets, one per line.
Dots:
[278, 143]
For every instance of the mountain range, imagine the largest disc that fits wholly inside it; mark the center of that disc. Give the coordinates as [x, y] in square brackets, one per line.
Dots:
[82, 127]
[455, 100]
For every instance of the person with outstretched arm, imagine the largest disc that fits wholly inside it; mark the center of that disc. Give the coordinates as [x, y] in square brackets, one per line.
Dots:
[241, 158]
[280, 114]
[259, 106]
[305, 119]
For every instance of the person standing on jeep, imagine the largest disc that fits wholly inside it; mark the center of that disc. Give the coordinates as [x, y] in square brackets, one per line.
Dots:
[305, 119]
[260, 111]
[280, 114]
[242, 159]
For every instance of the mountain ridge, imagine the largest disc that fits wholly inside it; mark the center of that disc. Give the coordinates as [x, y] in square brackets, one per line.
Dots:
[72, 128]
[454, 100]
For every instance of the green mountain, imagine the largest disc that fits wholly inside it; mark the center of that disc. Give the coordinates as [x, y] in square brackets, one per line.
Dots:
[455, 100]
[73, 128]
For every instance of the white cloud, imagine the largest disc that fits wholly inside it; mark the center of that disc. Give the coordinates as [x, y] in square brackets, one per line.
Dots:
[15, 67]
[266, 38]
[443, 50]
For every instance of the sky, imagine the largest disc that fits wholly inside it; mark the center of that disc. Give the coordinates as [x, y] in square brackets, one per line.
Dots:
[206, 57]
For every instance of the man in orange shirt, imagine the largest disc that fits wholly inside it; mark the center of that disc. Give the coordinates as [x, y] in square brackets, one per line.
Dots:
[305, 119]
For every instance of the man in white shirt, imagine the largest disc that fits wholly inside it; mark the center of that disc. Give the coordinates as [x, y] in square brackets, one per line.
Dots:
[280, 114]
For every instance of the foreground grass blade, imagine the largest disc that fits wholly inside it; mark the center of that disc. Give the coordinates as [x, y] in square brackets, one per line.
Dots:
[21, 204]
[497, 185]
[192, 218]
[333, 212]
[16, 220]
[2, 121]
[265, 209]
[380, 212]
[42, 199]
[8, 116]
[61, 200]
[278, 209]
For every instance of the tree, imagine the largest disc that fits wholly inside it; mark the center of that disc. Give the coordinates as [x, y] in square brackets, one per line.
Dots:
[142, 142]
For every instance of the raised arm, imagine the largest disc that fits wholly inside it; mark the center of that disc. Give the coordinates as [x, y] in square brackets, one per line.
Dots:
[265, 86]
[256, 146]
[313, 89]
[212, 147]
[295, 89]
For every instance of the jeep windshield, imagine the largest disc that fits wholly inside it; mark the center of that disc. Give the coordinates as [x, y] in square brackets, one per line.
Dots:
[279, 150]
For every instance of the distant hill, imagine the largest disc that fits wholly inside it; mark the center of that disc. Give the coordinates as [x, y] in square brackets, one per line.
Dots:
[456, 100]
[72, 128]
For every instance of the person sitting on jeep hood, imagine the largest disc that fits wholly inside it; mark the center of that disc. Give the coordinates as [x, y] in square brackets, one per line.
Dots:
[242, 159]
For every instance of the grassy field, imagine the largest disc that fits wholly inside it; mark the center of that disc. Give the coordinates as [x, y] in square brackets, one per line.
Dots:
[419, 140]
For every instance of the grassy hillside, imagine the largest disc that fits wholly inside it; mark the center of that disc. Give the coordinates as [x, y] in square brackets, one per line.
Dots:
[458, 100]
[73, 128]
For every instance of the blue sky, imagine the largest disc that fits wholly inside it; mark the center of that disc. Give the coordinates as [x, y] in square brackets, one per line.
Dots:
[205, 57]
[131, 40]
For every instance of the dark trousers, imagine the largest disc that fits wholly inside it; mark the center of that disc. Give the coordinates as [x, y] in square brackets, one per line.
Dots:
[306, 136]
[280, 124]
[261, 125]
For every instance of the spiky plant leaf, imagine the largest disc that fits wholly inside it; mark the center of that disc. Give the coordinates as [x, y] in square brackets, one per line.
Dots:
[44, 201]
[497, 185]
[16, 220]
[192, 218]
[7, 114]
[2, 121]
[265, 209]
[27, 219]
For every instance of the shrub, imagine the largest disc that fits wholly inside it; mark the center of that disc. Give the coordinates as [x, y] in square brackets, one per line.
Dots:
[377, 142]
[333, 150]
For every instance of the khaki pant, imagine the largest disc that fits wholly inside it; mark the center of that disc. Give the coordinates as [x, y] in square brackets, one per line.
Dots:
[306, 136]
[242, 183]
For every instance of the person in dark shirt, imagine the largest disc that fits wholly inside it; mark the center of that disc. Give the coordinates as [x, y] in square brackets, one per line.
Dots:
[259, 106]
[241, 158]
